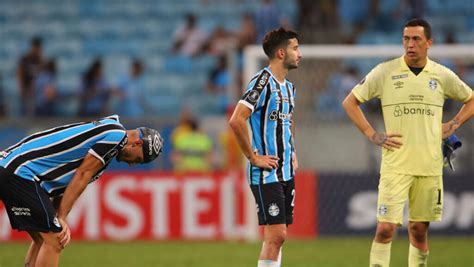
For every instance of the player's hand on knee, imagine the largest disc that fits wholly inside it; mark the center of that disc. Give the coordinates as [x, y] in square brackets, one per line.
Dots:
[265, 162]
[387, 140]
[64, 236]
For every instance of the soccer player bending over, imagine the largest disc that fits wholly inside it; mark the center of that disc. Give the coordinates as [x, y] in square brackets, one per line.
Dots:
[267, 106]
[412, 90]
[58, 164]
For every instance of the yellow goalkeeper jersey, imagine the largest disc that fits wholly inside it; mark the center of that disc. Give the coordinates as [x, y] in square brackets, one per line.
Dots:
[412, 105]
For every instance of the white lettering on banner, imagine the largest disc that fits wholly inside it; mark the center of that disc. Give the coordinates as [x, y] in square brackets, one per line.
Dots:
[458, 212]
[87, 207]
[193, 205]
[5, 228]
[159, 204]
[131, 212]
[228, 206]
[362, 210]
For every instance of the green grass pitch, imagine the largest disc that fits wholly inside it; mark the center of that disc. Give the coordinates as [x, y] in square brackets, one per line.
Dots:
[326, 252]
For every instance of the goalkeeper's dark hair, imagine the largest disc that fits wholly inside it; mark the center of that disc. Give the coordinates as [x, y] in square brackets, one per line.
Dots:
[420, 22]
[277, 39]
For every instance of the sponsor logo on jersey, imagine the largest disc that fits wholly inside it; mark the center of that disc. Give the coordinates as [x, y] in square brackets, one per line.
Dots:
[402, 110]
[401, 76]
[273, 210]
[416, 97]
[275, 115]
[398, 85]
[262, 81]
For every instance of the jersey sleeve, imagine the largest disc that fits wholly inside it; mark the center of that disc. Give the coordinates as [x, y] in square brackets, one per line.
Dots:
[253, 95]
[455, 88]
[370, 86]
[109, 145]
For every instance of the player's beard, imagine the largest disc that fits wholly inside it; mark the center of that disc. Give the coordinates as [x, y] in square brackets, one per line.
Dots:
[290, 64]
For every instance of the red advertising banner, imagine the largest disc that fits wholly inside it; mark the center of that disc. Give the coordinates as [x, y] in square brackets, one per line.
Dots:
[159, 205]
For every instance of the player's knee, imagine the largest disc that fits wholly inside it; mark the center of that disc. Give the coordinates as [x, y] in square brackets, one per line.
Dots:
[385, 232]
[418, 232]
[278, 237]
[52, 242]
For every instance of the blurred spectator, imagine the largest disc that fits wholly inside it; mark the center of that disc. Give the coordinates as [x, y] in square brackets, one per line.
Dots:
[317, 14]
[339, 85]
[231, 155]
[45, 90]
[193, 150]
[268, 17]
[247, 33]
[188, 39]
[417, 8]
[131, 92]
[184, 125]
[219, 82]
[94, 91]
[28, 68]
[220, 42]
[353, 15]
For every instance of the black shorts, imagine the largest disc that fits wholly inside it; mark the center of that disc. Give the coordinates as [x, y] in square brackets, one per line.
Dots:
[275, 202]
[27, 204]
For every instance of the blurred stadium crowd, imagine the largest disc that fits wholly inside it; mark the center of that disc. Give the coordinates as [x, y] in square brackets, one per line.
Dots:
[171, 60]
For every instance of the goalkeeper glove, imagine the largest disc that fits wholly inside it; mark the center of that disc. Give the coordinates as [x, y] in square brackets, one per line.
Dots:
[450, 144]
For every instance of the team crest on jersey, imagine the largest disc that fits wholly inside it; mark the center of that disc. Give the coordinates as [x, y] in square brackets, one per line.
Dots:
[273, 210]
[433, 84]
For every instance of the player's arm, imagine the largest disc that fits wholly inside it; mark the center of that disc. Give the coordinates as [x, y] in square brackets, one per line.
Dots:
[352, 107]
[238, 124]
[88, 168]
[295, 158]
[465, 113]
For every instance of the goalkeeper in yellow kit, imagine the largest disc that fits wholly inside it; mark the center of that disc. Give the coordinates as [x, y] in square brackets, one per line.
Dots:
[412, 90]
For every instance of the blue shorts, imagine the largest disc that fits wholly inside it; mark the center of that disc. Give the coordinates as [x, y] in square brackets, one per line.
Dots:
[27, 204]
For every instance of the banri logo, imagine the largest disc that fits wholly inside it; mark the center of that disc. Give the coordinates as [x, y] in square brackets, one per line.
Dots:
[402, 110]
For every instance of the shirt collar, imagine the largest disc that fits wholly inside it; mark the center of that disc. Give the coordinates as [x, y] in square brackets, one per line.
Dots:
[404, 66]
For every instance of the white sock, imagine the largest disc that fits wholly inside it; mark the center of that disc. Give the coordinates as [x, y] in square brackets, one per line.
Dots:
[268, 263]
[279, 258]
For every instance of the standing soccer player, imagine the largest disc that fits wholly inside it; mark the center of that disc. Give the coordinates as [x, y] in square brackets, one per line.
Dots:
[59, 163]
[412, 90]
[267, 108]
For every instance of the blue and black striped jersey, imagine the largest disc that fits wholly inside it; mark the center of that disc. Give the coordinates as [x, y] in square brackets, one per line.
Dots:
[272, 104]
[51, 157]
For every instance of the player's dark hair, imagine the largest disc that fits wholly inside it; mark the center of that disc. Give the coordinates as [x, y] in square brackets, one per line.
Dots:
[420, 22]
[277, 39]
